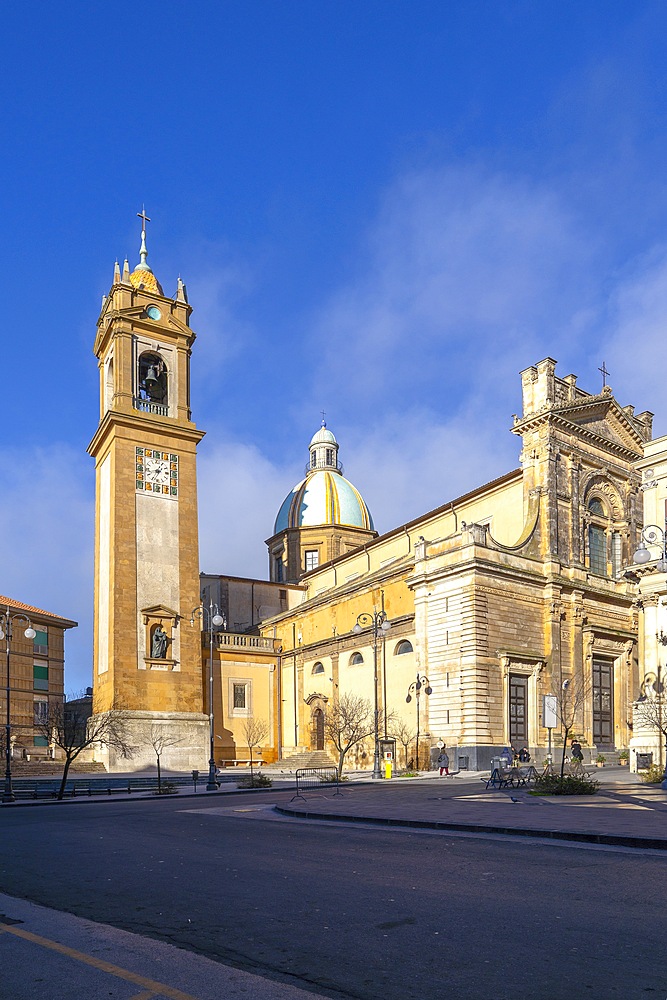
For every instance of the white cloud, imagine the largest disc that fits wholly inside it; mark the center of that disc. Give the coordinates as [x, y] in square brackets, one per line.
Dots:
[240, 492]
[468, 278]
[635, 350]
[47, 512]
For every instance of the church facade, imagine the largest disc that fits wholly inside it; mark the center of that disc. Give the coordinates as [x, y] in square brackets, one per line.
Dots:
[493, 600]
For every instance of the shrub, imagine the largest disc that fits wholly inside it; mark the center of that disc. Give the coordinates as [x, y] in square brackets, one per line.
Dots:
[600, 759]
[553, 784]
[331, 779]
[167, 788]
[653, 776]
[256, 781]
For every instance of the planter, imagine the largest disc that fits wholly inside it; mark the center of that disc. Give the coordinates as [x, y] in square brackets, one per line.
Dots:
[624, 762]
[599, 763]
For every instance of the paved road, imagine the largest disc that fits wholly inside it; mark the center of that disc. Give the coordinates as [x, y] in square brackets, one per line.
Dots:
[348, 911]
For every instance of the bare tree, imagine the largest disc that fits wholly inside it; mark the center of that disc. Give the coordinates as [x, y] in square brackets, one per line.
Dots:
[570, 701]
[160, 739]
[70, 726]
[405, 735]
[255, 732]
[347, 722]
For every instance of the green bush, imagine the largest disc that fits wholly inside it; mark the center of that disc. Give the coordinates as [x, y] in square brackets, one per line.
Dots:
[257, 781]
[167, 788]
[553, 784]
[653, 776]
[331, 779]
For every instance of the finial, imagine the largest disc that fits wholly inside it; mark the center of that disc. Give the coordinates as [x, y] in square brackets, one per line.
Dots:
[181, 291]
[126, 270]
[143, 252]
[116, 273]
[604, 372]
[324, 423]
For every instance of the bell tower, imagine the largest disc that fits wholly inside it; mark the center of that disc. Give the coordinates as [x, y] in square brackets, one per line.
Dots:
[147, 654]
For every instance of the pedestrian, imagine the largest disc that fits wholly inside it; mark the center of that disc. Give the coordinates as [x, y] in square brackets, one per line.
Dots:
[506, 755]
[576, 751]
[443, 761]
[524, 755]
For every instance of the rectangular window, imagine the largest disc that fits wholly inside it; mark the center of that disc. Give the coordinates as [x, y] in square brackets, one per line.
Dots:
[239, 697]
[278, 566]
[40, 741]
[312, 559]
[41, 643]
[597, 545]
[40, 712]
[40, 677]
[616, 565]
[518, 710]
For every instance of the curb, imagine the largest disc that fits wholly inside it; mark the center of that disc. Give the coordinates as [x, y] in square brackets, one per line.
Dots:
[608, 839]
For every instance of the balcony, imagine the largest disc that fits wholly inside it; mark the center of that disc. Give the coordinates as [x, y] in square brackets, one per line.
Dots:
[225, 640]
[337, 466]
[148, 406]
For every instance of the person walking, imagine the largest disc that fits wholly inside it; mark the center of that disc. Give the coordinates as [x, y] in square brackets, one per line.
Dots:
[443, 761]
[576, 751]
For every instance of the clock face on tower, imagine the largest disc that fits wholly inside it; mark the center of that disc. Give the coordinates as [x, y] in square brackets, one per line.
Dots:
[157, 472]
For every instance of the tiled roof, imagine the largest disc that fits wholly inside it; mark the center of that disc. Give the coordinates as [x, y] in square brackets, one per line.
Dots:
[144, 277]
[20, 606]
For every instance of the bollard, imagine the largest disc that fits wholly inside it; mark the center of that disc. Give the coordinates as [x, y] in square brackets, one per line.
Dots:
[387, 769]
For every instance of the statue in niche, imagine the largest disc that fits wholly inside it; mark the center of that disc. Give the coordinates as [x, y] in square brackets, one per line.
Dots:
[159, 644]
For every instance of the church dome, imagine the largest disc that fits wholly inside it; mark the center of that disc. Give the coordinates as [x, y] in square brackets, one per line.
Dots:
[324, 496]
[143, 277]
[323, 436]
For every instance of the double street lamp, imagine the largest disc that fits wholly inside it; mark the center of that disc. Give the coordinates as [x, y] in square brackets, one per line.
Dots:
[7, 620]
[379, 624]
[212, 616]
[416, 688]
[657, 537]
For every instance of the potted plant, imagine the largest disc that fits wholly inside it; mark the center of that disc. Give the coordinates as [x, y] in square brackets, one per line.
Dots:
[600, 760]
[623, 756]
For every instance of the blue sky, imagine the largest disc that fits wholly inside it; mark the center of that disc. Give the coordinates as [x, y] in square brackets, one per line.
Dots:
[381, 209]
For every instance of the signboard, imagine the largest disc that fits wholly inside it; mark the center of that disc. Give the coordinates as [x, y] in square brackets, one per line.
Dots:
[550, 711]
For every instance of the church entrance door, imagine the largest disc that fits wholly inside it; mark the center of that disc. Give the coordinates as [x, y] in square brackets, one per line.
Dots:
[318, 729]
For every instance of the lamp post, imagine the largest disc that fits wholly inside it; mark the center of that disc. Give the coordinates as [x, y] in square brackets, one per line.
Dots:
[659, 688]
[7, 620]
[416, 686]
[657, 537]
[380, 624]
[215, 619]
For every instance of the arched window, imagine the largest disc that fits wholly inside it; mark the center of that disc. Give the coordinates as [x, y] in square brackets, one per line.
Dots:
[318, 668]
[597, 538]
[152, 384]
[355, 659]
[404, 646]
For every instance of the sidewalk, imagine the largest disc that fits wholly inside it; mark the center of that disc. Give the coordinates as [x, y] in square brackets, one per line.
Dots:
[624, 812]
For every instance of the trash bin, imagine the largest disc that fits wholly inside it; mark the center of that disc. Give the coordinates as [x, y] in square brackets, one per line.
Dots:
[644, 761]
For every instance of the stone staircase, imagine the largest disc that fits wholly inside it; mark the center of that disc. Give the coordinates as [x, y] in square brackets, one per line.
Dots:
[33, 768]
[306, 758]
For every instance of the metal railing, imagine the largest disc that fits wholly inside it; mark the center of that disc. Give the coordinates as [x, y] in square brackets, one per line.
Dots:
[148, 406]
[337, 466]
[308, 778]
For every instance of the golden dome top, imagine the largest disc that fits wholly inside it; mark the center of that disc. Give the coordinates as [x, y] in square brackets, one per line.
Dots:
[143, 277]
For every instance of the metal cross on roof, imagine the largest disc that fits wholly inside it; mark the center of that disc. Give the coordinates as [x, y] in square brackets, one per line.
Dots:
[604, 372]
[144, 218]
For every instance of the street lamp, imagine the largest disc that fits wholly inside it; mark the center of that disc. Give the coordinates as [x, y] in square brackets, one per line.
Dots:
[215, 620]
[7, 620]
[379, 623]
[657, 537]
[416, 686]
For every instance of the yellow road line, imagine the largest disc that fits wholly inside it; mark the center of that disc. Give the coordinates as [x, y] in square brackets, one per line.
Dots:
[150, 987]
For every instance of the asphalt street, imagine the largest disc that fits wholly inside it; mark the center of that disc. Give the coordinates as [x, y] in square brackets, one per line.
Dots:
[349, 911]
